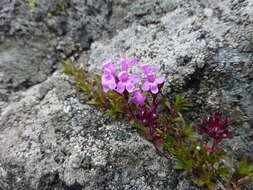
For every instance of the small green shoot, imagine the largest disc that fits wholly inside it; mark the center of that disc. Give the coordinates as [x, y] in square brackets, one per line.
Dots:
[243, 174]
[181, 103]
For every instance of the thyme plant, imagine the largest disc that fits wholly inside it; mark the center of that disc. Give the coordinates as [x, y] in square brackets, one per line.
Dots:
[138, 97]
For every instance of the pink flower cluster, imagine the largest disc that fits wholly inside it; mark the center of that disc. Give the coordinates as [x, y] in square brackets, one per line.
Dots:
[124, 82]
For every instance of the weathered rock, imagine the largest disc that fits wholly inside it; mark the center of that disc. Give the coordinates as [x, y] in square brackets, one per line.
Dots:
[24, 65]
[202, 54]
[50, 140]
[143, 12]
[32, 42]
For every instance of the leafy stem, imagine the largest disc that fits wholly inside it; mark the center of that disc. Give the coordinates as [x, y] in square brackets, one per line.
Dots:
[162, 122]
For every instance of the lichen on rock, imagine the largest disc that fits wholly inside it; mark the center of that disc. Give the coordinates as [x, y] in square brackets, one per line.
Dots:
[49, 139]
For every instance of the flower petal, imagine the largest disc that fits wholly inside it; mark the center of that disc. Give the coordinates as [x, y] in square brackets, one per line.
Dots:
[145, 86]
[107, 75]
[132, 61]
[134, 79]
[130, 87]
[154, 88]
[138, 98]
[147, 68]
[120, 87]
[150, 77]
[112, 84]
[110, 66]
[159, 80]
[123, 76]
[107, 64]
[105, 88]
[123, 64]
[131, 100]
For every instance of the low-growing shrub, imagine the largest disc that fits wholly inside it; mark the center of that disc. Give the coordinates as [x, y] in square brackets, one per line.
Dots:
[139, 98]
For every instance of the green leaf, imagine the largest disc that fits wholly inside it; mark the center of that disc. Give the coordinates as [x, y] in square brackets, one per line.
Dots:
[224, 171]
[199, 182]
[243, 171]
[178, 119]
[169, 142]
[250, 168]
[189, 163]
[185, 108]
[243, 162]
[180, 103]
[179, 167]
[244, 168]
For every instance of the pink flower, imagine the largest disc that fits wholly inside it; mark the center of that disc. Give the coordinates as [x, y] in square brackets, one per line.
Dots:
[147, 69]
[216, 127]
[152, 83]
[126, 81]
[108, 80]
[124, 64]
[110, 66]
[138, 98]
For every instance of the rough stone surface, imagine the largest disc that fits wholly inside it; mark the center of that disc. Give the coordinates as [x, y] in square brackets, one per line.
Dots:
[49, 139]
[213, 65]
[32, 42]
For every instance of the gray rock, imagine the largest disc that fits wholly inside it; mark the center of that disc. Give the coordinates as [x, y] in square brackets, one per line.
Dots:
[32, 42]
[49, 139]
[200, 54]
[41, 136]
[22, 66]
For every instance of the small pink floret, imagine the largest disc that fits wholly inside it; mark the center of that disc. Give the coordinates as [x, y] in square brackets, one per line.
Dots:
[138, 98]
[126, 81]
[152, 83]
[124, 64]
[108, 80]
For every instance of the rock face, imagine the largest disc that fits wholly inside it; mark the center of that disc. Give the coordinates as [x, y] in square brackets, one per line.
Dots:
[50, 140]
